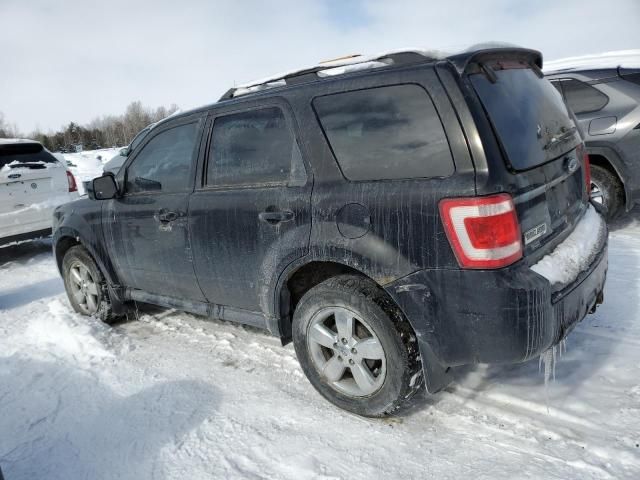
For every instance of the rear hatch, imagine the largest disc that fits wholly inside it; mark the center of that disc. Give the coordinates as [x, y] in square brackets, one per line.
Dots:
[32, 181]
[541, 147]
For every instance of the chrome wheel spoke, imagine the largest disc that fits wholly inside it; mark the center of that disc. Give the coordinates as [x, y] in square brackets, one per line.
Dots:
[322, 335]
[333, 369]
[75, 276]
[363, 377]
[92, 289]
[84, 273]
[92, 304]
[344, 323]
[370, 348]
[79, 296]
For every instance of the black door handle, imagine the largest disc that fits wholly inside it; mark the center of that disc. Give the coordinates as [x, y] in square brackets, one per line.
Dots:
[166, 216]
[274, 218]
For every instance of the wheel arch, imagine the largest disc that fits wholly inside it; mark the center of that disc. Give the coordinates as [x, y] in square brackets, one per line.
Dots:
[299, 279]
[608, 159]
[67, 237]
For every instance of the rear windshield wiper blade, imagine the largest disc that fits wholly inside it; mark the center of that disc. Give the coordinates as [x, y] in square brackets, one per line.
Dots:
[556, 139]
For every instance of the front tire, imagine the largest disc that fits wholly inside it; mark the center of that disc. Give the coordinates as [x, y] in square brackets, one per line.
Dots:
[85, 285]
[355, 347]
[607, 190]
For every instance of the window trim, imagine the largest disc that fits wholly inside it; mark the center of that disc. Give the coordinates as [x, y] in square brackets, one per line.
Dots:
[372, 87]
[149, 137]
[284, 107]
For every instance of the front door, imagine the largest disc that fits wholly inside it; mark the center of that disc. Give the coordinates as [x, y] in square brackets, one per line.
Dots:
[252, 215]
[147, 228]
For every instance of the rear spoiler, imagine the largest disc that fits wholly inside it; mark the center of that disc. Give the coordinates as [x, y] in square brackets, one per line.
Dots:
[463, 61]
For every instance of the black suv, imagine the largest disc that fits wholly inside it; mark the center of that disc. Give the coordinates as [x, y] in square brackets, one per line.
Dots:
[394, 216]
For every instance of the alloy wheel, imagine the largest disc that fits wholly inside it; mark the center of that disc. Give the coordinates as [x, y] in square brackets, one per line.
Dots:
[346, 352]
[83, 287]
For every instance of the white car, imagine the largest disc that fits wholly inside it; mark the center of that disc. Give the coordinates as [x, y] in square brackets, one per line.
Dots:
[32, 184]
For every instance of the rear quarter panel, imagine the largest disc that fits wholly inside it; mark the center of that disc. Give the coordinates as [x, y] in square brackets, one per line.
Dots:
[405, 232]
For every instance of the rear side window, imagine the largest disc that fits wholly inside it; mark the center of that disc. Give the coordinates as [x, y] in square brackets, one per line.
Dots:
[21, 155]
[165, 162]
[250, 148]
[385, 133]
[583, 98]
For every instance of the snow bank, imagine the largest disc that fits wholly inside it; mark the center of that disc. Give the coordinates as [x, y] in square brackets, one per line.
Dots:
[576, 253]
[620, 58]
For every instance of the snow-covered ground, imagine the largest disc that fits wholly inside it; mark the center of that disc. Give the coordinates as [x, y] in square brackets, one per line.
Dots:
[173, 396]
[88, 164]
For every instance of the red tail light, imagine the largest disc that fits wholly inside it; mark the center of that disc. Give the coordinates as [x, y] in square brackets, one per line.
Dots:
[73, 187]
[483, 231]
[581, 152]
[587, 172]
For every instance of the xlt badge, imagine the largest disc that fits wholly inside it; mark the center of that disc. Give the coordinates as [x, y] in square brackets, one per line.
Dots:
[534, 233]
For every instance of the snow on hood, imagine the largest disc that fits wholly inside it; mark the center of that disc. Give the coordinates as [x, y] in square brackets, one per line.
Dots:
[620, 58]
[576, 253]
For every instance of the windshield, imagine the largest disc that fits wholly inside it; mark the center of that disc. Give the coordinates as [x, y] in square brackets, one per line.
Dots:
[19, 154]
[528, 115]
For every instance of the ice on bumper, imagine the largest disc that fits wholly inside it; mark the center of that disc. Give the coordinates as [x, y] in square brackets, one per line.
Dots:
[576, 253]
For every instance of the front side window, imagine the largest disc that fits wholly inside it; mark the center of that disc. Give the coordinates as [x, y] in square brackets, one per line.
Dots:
[385, 133]
[164, 164]
[249, 148]
[583, 98]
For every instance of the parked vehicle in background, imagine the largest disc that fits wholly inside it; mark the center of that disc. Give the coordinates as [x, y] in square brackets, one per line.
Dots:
[604, 93]
[116, 162]
[32, 183]
[394, 216]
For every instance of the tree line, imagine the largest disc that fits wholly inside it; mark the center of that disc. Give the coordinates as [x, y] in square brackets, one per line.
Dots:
[105, 131]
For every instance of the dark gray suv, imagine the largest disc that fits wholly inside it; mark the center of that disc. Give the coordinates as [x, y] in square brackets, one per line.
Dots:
[604, 94]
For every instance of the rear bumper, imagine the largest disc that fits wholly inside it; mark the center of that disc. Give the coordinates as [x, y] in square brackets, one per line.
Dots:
[507, 315]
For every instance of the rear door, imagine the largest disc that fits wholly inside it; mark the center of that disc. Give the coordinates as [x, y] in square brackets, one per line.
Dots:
[32, 184]
[251, 215]
[541, 161]
[147, 227]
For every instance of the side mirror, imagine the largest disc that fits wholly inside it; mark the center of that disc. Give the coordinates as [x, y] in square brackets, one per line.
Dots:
[124, 152]
[104, 187]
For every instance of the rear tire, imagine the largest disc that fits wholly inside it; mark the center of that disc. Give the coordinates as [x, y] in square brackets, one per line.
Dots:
[607, 189]
[355, 347]
[85, 285]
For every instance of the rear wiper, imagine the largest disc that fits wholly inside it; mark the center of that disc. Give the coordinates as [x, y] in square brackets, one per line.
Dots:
[560, 138]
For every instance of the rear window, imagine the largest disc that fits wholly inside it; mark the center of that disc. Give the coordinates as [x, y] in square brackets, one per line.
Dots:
[385, 133]
[31, 155]
[528, 115]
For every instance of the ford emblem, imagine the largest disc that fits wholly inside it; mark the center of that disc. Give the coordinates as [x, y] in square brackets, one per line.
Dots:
[14, 176]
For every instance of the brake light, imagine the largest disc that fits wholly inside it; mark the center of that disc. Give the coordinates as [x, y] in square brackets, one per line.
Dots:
[73, 187]
[483, 231]
[587, 172]
[581, 152]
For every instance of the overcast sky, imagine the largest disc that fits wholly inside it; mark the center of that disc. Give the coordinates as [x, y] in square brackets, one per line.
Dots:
[73, 60]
